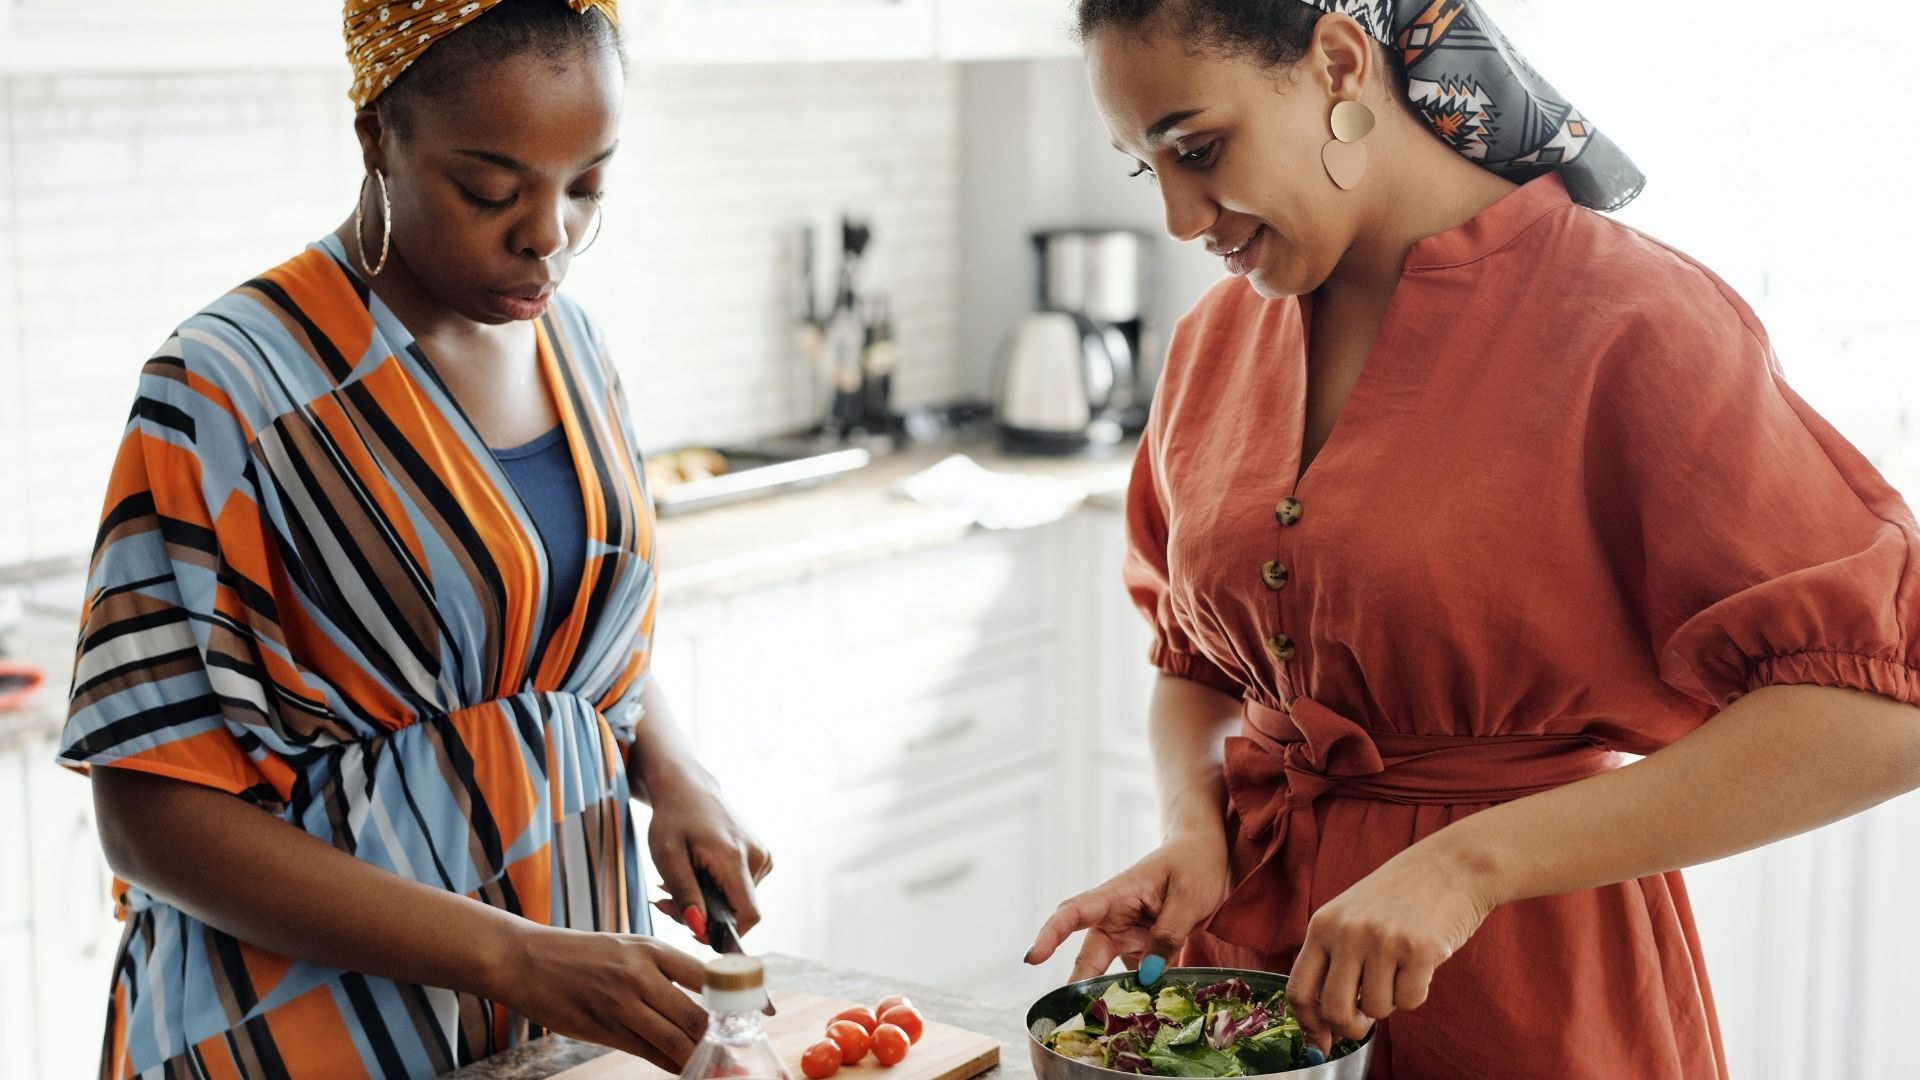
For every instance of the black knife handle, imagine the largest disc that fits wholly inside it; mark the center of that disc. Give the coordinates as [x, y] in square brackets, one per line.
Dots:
[722, 935]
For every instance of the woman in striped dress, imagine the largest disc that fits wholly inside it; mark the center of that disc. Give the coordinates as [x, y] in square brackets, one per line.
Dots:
[362, 683]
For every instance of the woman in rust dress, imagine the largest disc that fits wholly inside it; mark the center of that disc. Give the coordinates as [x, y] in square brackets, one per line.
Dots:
[1570, 513]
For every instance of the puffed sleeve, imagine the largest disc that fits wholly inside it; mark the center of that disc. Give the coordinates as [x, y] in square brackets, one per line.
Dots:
[1147, 580]
[1757, 546]
[166, 680]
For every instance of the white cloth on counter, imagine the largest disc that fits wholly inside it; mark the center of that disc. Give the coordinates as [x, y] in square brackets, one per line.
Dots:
[999, 500]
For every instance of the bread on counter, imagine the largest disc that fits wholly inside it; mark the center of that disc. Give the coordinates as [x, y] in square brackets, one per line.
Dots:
[679, 466]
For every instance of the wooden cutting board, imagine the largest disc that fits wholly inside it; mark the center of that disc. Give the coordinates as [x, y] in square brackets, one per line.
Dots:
[943, 1052]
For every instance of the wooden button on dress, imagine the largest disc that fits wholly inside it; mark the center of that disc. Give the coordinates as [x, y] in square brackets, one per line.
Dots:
[1281, 646]
[1288, 511]
[1273, 576]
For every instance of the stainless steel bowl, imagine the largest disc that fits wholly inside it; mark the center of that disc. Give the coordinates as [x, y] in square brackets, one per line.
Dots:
[1064, 1002]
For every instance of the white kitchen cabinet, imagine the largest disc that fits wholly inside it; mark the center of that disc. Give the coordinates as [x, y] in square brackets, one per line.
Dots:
[729, 669]
[17, 1028]
[1886, 941]
[1005, 29]
[17, 1005]
[1122, 678]
[762, 31]
[871, 668]
[15, 890]
[982, 719]
[187, 35]
[1126, 819]
[74, 932]
[57, 931]
[901, 732]
[1126, 822]
[947, 893]
[991, 588]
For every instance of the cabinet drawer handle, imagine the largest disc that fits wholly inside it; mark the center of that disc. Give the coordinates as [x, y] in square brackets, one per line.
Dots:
[950, 731]
[945, 879]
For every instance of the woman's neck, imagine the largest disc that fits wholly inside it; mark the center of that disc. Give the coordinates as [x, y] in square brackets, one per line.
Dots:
[423, 316]
[1431, 189]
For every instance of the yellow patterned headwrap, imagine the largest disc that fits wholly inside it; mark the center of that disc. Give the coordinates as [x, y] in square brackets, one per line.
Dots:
[385, 37]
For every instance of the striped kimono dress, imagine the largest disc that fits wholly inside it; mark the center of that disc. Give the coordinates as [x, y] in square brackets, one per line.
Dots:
[315, 588]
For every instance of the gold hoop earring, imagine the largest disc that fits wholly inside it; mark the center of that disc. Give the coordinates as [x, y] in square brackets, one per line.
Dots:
[386, 216]
[1345, 156]
[599, 222]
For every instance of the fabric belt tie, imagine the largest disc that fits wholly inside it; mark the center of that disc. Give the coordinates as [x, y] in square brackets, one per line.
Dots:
[1282, 763]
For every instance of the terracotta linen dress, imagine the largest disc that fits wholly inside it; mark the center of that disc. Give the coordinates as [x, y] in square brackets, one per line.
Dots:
[1569, 512]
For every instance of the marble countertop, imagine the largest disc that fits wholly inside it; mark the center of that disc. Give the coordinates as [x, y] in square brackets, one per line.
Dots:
[855, 517]
[554, 1054]
[708, 552]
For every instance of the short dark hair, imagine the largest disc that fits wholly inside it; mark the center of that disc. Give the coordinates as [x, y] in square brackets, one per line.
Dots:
[548, 28]
[1277, 33]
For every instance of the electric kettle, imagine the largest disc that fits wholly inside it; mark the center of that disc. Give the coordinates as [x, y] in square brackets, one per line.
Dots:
[1056, 381]
[1070, 376]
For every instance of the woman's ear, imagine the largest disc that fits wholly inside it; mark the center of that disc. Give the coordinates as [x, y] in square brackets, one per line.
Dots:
[1342, 60]
[369, 128]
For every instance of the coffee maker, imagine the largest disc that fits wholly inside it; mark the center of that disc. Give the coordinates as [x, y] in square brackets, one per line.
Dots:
[1073, 374]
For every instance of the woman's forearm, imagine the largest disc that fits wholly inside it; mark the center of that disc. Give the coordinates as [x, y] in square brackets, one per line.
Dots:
[239, 869]
[1774, 764]
[1187, 728]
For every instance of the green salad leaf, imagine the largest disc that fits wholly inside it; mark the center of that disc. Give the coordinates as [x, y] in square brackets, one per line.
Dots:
[1196, 1060]
[1077, 1022]
[1176, 1003]
[1080, 1046]
[1173, 1033]
[1268, 1055]
[1123, 1002]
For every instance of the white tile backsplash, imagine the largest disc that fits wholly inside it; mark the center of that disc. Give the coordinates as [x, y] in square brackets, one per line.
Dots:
[127, 202]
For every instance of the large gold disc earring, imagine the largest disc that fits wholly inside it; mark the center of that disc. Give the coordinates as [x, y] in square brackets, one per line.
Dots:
[1345, 155]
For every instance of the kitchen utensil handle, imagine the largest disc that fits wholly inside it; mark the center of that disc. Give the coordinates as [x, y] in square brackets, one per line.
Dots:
[953, 729]
[944, 879]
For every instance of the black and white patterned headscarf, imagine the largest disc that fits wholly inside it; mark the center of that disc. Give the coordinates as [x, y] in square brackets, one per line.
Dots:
[1481, 96]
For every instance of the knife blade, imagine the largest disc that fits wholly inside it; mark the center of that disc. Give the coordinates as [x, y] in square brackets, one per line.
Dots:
[723, 935]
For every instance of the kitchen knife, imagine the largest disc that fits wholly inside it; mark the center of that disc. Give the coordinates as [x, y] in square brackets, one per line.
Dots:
[722, 935]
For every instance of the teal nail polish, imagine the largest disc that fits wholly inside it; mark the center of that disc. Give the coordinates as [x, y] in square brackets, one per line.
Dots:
[1150, 970]
[1315, 1057]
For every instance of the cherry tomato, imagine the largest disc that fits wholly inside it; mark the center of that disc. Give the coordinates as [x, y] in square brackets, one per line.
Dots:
[853, 1040]
[859, 1014]
[889, 1002]
[821, 1060]
[890, 1044]
[907, 1019]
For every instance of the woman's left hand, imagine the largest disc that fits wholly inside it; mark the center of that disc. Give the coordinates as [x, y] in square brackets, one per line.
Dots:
[693, 828]
[1372, 950]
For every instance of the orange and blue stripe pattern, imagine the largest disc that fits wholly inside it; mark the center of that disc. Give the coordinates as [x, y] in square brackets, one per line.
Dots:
[315, 588]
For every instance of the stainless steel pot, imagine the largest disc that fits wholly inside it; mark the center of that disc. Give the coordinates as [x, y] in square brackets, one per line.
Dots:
[1069, 999]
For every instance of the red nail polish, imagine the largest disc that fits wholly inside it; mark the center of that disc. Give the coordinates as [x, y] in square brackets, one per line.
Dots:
[696, 921]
